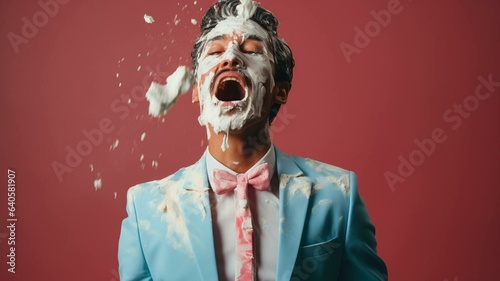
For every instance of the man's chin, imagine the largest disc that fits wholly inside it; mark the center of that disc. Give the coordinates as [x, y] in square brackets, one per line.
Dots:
[232, 120]
[235, 115]
[230, 116]
[229, 108]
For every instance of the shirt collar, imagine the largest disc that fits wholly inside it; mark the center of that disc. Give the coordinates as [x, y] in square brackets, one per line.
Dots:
[212, 164]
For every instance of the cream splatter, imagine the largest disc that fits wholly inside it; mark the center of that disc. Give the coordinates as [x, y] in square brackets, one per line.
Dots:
[114, 145]
[149, 19]
[169, 204]
[163, 208]
[316, 187]
[91, 167]
[162, 97]
[273, 205]
[142, 157]
[143, 136]
[208, 132]
[115, 194]
[343, 183]
[321, 167]
[176, 20]
[154, 164]
[97, 184]
[282, 220]
[332, 179]
[194, 22]
[243, 203]
[225, 141]
[285, 178]
[145, 225]
[264, 224]
[302, 184]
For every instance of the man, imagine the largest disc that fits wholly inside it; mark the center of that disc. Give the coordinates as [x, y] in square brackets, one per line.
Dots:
[245, 210]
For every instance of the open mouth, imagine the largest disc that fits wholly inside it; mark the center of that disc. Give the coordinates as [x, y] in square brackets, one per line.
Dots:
[230, 89]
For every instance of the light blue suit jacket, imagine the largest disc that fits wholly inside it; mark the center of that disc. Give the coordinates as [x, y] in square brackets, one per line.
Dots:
[325, 232]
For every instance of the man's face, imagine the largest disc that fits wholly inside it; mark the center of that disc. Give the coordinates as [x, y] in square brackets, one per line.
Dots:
[235, 75]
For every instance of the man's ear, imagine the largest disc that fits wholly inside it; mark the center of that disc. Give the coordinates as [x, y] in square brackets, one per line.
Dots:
[195, 97]
[282, 89]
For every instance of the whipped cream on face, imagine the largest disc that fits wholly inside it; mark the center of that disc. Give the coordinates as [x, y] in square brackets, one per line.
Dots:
[257, 68]
[162, 97]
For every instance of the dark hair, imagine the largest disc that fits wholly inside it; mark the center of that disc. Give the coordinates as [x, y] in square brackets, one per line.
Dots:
[224, 9]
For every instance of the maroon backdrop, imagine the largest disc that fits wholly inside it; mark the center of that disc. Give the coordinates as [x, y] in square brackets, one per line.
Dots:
[396, 91]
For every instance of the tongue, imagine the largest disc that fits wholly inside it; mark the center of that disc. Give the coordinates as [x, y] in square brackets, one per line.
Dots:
[230, 91]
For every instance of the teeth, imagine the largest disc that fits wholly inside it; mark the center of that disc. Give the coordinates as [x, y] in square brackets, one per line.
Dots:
[229, 79]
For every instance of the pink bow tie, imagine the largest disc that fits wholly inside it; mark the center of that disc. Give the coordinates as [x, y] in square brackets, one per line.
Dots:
[225, 182]
[258, 178]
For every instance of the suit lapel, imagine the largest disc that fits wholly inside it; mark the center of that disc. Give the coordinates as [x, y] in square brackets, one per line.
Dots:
[195, 208]
[294, 193]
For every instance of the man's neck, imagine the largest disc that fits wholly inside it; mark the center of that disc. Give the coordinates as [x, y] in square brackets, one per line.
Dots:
[244, 150]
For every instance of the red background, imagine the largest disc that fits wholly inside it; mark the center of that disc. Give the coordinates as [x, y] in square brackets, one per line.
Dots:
[440, 224]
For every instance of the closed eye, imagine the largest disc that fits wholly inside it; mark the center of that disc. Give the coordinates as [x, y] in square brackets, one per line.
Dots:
[252, 46]
[252, 52]
[215, 48]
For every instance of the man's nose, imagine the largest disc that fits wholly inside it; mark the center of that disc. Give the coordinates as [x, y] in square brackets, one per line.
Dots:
[232, 63]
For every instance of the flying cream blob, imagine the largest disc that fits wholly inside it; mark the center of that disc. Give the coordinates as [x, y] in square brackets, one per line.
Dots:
[162, 97]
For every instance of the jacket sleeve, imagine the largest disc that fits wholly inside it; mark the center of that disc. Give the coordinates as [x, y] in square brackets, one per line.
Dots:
[360, 260]
[132, 264]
